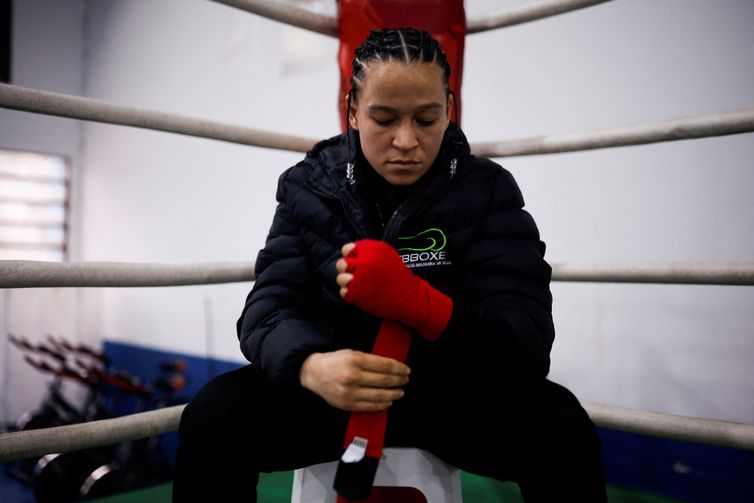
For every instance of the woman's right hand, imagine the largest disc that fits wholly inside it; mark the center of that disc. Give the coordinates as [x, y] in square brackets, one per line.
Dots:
[353, 380]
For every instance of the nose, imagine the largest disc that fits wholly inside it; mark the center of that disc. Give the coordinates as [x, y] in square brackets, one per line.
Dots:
[405, 137]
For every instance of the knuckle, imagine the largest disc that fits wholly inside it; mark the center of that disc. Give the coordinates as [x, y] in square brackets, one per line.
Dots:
[350, 377]
[345, 392]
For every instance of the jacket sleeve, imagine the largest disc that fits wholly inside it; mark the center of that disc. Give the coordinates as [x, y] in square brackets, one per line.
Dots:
[277, 329]
[503, 306]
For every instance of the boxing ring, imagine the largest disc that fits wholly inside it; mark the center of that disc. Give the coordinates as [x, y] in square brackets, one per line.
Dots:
[30, 274]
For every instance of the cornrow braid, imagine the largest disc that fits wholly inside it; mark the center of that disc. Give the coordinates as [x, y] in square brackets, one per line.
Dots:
[407, 45]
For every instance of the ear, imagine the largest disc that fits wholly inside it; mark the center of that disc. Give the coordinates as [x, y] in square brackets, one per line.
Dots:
[451, 104]
[352, 119]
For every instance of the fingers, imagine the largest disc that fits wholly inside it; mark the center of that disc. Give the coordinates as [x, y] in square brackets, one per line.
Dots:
[382, 365]
[377, 396]
[354, 381]
[377, 380]
[365, 398]
[343, 279]
[346, 250]
[341, 265]
[368, 406]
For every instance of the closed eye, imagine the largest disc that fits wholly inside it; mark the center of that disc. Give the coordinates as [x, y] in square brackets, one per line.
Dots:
[424, 122]
[384, 122]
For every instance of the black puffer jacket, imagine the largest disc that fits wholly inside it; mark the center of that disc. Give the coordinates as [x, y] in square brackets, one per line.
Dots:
[461, 227]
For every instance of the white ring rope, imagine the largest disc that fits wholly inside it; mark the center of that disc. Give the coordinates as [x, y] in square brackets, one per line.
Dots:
[25, 444]
[328, 25]
[35, 274]
[29, 273]
[287, 13]
[726, 123]
[683, 428]
[76, 107]
[525, 13]
[694, 273]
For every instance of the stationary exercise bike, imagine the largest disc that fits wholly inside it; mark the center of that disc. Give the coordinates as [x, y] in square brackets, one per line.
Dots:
[96, 472]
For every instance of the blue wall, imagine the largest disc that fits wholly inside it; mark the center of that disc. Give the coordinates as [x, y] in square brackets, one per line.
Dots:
[145, 363]
[691, 472]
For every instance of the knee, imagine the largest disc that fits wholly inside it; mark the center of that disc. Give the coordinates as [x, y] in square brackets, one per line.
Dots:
[570, 423]
[219, 406]
[194, 419]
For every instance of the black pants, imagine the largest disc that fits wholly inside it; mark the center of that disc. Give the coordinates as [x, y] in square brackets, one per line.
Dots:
[539, 437]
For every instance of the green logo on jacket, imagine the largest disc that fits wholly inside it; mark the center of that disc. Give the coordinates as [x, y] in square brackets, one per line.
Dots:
[429, 240]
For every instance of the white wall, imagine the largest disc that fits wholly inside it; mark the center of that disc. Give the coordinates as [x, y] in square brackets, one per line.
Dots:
[157, 197]
[676, 349]
[166, 198]
[47, 53]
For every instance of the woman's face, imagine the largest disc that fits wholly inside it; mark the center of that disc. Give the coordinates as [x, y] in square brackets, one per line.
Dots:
[401, 113]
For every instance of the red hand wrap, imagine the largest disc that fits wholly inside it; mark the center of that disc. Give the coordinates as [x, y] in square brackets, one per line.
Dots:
[383, 286]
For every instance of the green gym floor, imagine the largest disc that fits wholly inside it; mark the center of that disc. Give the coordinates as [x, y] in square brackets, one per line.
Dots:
[276, 488]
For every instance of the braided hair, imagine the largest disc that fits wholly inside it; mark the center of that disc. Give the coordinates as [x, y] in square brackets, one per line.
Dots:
[407, 45]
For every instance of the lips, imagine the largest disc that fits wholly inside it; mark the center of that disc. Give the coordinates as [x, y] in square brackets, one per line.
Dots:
[403, 162]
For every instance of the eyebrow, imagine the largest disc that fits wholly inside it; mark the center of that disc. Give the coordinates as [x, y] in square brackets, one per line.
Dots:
[385, 108]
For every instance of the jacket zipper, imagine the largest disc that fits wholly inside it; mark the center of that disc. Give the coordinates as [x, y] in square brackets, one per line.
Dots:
[390, 221]
[415, 199]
